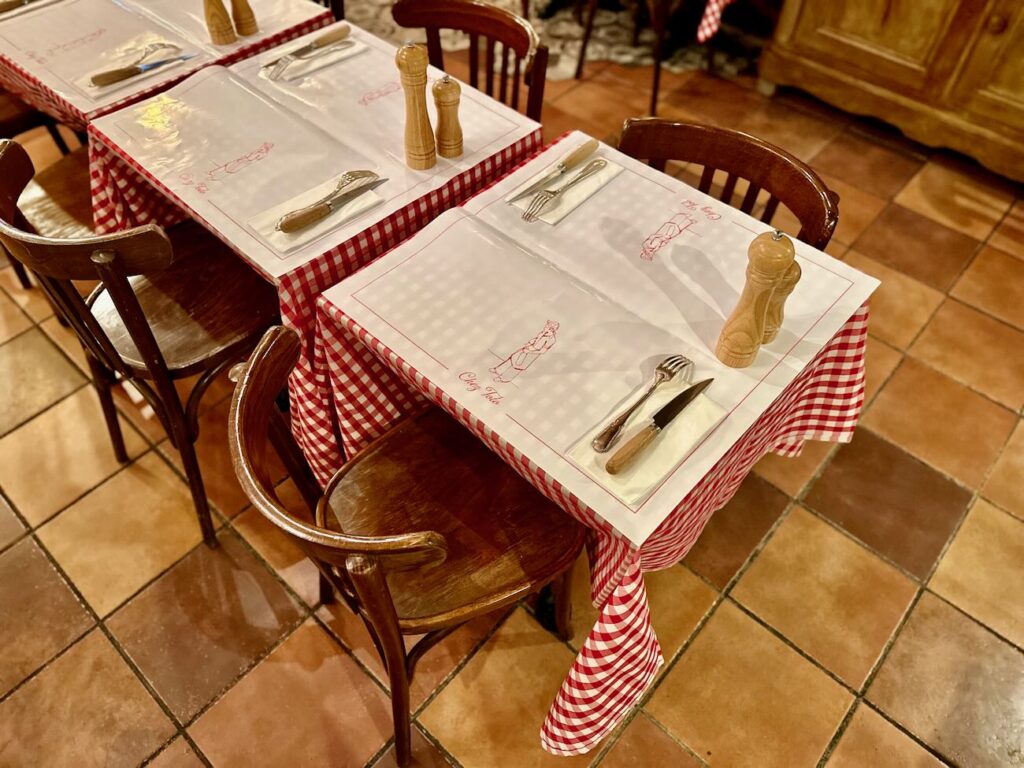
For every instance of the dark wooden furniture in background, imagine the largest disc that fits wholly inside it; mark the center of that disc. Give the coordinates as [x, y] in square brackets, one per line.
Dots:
[945, 72]
[420, 532]
[764, 166]
[160, 312]
[497, 27]
[337, 7]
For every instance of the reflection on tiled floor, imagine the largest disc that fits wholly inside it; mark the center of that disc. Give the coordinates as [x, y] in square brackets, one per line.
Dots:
[858, 606]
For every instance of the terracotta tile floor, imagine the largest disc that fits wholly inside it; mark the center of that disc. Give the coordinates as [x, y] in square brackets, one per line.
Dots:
[857, 606]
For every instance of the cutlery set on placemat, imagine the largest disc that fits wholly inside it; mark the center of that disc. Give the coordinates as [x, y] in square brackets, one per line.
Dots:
[327, 43]
[140, 65]
[549, 191]
[350, 186]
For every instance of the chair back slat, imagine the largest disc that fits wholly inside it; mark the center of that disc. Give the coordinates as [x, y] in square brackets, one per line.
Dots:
[250, 432]
[497, 26]
[764, 166]
[434, 53]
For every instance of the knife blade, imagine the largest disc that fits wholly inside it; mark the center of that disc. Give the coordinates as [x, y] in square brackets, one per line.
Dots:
[566, 164]
[112, 76]
[627, 453]
[335, 35]
[311, 214]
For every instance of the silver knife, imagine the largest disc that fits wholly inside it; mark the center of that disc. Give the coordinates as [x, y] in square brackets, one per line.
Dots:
[566, 164]
[627, 453]
[112, 76]
[335, 35]
[311, 214]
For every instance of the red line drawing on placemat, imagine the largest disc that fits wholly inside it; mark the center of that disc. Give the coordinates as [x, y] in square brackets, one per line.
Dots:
[667, 232]
[524, 357]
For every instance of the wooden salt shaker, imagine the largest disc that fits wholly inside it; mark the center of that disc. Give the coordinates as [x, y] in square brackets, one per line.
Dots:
[769, 258]
[218, 23]
[776, 307]
[245, 19]
[419, 138]
[447, 93]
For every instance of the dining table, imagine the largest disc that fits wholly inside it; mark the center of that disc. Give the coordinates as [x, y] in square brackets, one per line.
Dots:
[534, 334]
[235, 149]
[50, 49]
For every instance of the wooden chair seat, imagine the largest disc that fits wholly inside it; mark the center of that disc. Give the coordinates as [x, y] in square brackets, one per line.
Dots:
[194, 328]
[57, 202]
[431, 474]
[16, 116]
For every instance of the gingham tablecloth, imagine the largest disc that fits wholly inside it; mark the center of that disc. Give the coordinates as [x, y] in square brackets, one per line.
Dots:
[373, 385]
[30, 82]
[711, 20]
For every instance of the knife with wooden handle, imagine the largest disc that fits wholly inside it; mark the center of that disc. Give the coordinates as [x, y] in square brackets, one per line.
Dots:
[311, 214]
[10, 5]
[111, 76]
[627, 454]
[566, 164]
[330, 37]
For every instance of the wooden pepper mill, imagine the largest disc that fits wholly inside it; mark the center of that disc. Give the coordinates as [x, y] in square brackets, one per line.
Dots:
[776, 307]
[419, 138]
[768, 259]
[218, 23]
[245, 19]
[447, 93]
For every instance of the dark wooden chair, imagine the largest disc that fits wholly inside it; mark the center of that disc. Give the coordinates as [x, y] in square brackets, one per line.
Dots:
[337, 8]
[501, 31]
[161, 312]
[420, 532]
[764, 166]
[18, 117]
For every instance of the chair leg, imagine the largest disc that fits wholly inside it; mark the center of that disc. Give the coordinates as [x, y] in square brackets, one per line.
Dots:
[588, 28]
[102, 381]
[659, 22]
[21, 274]
[183, 441]
[561, 593]
[57, 138]
[327, 595]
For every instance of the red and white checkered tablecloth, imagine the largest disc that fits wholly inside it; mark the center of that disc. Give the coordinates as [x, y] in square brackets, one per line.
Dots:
[30, 89]
[711, 20]
[371, 387]
[125, 195]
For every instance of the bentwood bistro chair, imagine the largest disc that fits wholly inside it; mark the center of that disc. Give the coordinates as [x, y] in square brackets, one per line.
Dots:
[164, 309]
[504, 36]
[419, 532]
[785, 178]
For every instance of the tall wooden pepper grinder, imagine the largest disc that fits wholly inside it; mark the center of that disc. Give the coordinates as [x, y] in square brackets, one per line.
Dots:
[245, 19]
[447, 93]
[419, 138]
[218, 23]
[769, 257]
[776, 307]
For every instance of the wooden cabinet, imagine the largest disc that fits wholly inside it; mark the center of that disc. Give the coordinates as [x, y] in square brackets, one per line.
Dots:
[946, 72]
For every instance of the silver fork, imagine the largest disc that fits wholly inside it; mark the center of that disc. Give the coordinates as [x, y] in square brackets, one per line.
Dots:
[667, 369]
[545, 197]
[279, 67]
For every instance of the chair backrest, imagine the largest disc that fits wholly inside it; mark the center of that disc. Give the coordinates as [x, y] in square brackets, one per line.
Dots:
[337, 8]
[112, 259]
[785, 178]
[502, 32]
[255, 422]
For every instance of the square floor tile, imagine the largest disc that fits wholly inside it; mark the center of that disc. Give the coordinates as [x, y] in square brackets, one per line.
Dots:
[436, 664]
[917, 246]
[491, 711]
[678, 598]
[201, 624]
[735, 530]
[956, 686]
[12, 320]
[984, 353]
[992, 283]
[791, 474]
[307, 703]
[644, 744]
[741, 697]
[799, 132]
[424, 754]
[66, 339]
[11, 528]
[982, 572]
[278, 549]
[1004, 486]
[85, 709]
[871, 741]
[59, 455]
[901, 306]
[866, 164]
[31, 300]
[41, 616]
[959, 195]
[38, 376]
[826, 593]
[124, 533]
[177, 754]
[940, 421]
[857, 209]
[880, 361]
[1009, 235]
[892, 502]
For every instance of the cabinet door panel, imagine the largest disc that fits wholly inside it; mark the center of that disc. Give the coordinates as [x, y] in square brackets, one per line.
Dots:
[992, 83]
[893, 41]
